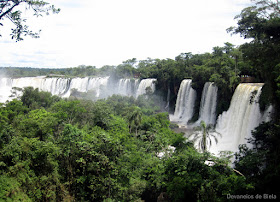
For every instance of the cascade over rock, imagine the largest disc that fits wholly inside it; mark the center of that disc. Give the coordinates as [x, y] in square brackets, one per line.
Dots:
[234, 125]
[127, 87]
[243, 115]
[97, 85]
[208, 104]
[101, 87]
[185, 103]
[144, 84]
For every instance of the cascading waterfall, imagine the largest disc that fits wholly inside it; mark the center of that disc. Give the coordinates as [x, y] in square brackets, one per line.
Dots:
[235, 125]
[86, 84]
[35, 82]
[125, 87]
[243, 115]
[144, 84]
[167, 99]
[56, 86]
[99, 86]
[208, 103]
[185, 102]
[5, 89]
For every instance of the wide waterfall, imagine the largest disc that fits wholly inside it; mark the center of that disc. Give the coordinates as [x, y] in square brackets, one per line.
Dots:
[144, 85]
[208, 103]
[100, 87]
[243, 115]
[185, 102]
[86, 84]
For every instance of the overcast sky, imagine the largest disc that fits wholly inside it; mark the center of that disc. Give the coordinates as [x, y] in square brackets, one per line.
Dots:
[107, 32]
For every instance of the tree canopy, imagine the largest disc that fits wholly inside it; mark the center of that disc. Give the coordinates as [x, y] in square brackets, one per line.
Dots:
[58, 150]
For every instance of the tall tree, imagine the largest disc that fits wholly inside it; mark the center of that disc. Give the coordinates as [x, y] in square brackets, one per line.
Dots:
[11, 9]
[135, 119]
[261, 23]
[203, 135]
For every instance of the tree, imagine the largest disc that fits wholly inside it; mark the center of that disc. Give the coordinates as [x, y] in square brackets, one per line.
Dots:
[8, 10]
[135, 119]
[204, 134]
[261, 23]
[35, 99]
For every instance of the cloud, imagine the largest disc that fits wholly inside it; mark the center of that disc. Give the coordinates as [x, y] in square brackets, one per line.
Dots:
[103, 32]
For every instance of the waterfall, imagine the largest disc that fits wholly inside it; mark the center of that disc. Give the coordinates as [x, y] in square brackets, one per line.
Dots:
[144, 84]
[243, 115]
[5, 89]
[125, 87]
[35, 82]
[167, 100]
[100, 87]
[84, 85]
[56, 86]
[208, 103]
[185, 102]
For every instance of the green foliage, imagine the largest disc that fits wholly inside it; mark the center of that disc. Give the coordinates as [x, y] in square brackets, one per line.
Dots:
[117, 149]
[34, 99]
[10, 190]
[260, 163]
[37, 7]
[261, 24]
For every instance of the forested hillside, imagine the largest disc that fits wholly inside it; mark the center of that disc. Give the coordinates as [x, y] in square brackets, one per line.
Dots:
[118, 149]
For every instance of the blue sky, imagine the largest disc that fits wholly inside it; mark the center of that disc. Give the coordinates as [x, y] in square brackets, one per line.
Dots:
[107, 32]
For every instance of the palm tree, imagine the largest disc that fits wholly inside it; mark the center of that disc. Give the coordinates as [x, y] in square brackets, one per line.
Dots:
[204, 134]
[135, 119]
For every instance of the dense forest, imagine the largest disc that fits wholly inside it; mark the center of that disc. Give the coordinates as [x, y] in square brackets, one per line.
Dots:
[124, 149]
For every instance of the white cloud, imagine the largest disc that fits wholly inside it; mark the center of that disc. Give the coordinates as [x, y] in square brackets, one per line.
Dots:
[99, 32]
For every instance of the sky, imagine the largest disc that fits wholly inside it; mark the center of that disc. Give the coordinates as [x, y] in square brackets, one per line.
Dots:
[108, 32]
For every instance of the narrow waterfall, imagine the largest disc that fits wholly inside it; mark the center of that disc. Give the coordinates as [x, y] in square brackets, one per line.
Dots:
[208, 103]
[185, 102]
[144, 84]
[243, 115]
[125, 87]
[5, 89]
[167, 100]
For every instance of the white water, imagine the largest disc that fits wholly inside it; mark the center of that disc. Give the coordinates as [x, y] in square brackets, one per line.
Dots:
[235, 125]
[144, 84]
[208, 103]
[101, 87]
[86, 84]
[243, 115]
[126, 87]
[5, 89]
[185, 103]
